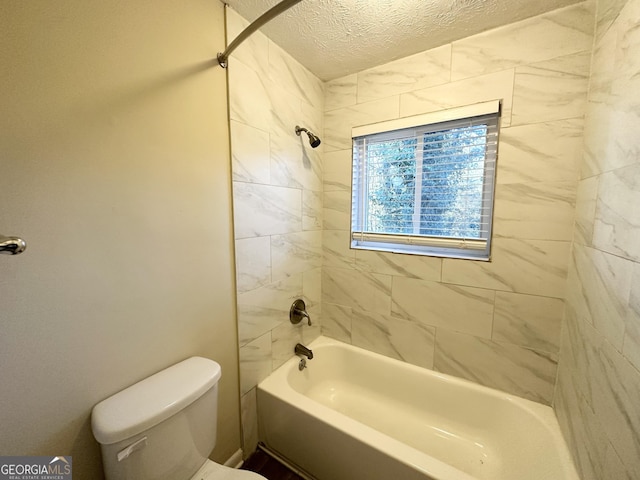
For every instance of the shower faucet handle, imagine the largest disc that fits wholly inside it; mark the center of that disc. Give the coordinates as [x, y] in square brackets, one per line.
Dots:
[298, 311]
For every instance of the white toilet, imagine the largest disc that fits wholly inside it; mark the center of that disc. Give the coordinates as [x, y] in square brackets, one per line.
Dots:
[164, 427]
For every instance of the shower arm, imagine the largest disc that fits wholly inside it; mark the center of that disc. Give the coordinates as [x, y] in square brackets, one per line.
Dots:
[255, 25]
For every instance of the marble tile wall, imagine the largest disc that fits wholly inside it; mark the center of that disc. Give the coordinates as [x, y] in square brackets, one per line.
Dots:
[565, 226]
[277, 198]
[495, 323]
[597, 398]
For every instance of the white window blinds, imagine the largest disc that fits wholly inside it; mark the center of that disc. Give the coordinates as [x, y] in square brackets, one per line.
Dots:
[427, 188]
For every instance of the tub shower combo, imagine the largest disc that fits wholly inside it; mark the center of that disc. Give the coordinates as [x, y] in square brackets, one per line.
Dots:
[356, 414]
[352, 413]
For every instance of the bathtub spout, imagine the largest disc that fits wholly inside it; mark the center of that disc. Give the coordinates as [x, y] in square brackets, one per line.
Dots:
[302, 350]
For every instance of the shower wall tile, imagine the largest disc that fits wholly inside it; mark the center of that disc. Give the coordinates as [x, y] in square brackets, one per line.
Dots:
[254, 51]
[292, 76]
[625, 122]
[284, 338]
[452, 307]
[609, 143]
[341, 92]
[579, 351]
[266, 210]
[265, 308]
[278, 206]
[551, 90]
[617, 224]
[561, 32]
[337, 171]
[600, 346]
[295, 253]
[312, 292]
[253, 106]
[631, 346]
[538, 211]
[409, 266]
[527, 373]
[286, 112]
[336, 322]
[255, 362]
[575, 296]
[313, 118]
[507, 311]
[564, 401]
[594, 374]
[337, 210]
[336, 249]
[292, 165]
[362, 290]
[600, 290]
[607, 12]
[615, 402]
[537, 267]
[493, 86]
[393, 337]
[586, 197]
[422, 70]
[629, 41]
[249, 413]
[614, 466]
[338, 123]
[311, 210]
[590, 455]
[528, 321]
[309, 334]
[524, 158]
[250, 154]
[253, 263]
[603, 65]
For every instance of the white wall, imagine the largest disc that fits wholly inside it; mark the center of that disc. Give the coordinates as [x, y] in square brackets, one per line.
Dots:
[115, 169]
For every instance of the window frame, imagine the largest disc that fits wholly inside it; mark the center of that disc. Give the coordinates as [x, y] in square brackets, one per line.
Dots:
[417, 244]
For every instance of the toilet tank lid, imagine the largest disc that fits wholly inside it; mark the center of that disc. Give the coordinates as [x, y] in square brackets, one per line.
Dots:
[153, 400]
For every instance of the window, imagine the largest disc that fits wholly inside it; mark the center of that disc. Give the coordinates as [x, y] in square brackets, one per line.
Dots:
[424, 184]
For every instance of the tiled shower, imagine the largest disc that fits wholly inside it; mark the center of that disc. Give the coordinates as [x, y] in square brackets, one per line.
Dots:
[565, 226]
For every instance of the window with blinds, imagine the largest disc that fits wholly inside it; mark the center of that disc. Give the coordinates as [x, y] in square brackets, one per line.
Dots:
[425, 184]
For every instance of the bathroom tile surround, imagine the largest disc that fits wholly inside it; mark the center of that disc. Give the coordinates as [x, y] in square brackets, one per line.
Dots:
[495, 323]
[277, 198]
[598, 390]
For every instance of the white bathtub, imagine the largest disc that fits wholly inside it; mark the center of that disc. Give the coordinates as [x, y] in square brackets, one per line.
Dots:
[353, 414]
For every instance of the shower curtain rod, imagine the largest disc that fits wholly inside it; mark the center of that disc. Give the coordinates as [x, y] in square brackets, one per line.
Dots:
[270, 14]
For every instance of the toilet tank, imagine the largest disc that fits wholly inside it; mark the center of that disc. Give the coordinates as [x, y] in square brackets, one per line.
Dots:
[163, 427]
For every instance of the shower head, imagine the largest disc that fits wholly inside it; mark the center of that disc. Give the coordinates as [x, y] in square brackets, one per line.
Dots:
[313, 140]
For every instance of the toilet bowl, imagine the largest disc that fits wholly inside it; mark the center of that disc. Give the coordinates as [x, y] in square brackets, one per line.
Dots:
[214, 471]
[164, 427]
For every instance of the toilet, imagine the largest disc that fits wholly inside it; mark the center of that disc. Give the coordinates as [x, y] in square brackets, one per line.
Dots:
[164, 427]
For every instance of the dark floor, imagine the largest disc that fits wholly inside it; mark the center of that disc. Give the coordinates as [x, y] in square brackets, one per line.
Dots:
[268, 467]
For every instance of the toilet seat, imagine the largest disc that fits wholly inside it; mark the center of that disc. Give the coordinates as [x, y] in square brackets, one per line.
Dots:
[214, 471]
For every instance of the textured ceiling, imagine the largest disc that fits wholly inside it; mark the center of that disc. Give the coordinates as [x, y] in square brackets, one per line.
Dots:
[333, 38]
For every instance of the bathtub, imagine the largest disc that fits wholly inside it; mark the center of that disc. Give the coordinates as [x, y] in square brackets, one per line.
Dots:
[353, 414]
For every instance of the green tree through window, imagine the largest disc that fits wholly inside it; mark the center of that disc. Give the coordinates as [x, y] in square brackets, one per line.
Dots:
[426, 189]
[449, 200]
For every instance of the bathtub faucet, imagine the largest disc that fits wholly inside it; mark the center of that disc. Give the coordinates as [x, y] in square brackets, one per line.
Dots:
[302, 350]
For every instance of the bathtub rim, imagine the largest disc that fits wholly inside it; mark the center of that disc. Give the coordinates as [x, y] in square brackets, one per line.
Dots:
[390, 446]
